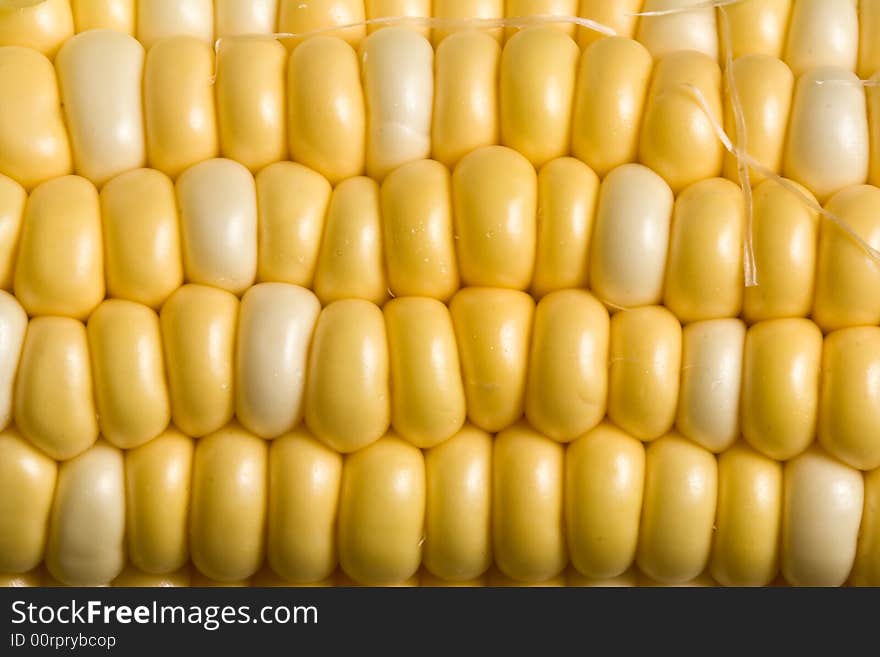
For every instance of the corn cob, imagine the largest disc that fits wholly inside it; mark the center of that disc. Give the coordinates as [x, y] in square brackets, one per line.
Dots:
[445, 399]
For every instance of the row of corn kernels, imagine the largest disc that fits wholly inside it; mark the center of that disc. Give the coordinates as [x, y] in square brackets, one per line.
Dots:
[352, 370]
[340, 115]
[845, 30]
[492, 222]
[232, 502]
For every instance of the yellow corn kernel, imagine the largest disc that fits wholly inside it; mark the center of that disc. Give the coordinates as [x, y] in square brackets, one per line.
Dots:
[677, 137]
[130, 391]
[567, 193]
[704, 274]
[350, 263]
[157, 493]
[538, 71]
[619, 15]
[604, 478]
[33, 140]
[397, 68]
[250, 88]
[304, 484]
[757, 27]
[693, 28]
[493, 331]
[458, 12]
[528, 480]
[227, 522]
[87, 527]
[427, 394]
[494, 198]
[218, 224]
[21, 580]
[54, 408]
[348, 403]
[158, 19]
[459, 506]
[823, 33]
[869, 43]
[141, 237]
[115, 15]
[873, 93]
[275, 326]
[711, 373]
[780, 386]
[827, 145]
[43, 26]
[821, 514]
[679, 510]
[624, 580]
[13, 324]
[27, 484]
[59, 269]
[12, 202]
[99, 74]
[291, 201]
[297, 17]
[746, 543]
[611, 89]
[643, 377]
[133, 577]
[630, 237]
[198, 335]
[382, 512]
[866, 571]
[237, 18]
[847, 278]
[412, 9]
[326, 117]
[179, 115]
[567, 386]
[849, 406]
[465, 113]
[764, 87]
[785, 232]
[418, 232]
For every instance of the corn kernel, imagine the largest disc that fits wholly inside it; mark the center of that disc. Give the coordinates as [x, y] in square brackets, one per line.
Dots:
[619, 15]
[382, 512]
[130, 391]
[459, 507]
[43, 26]
[493, 331]
[27, 484]
[679, 510]
[691, 29]
[198, 335]
[823, 33]
[757, 27]
[12, 202]
[643, 376]
[528, 480]
[275, 326]
[297, 17]
[244, 17]
[54, 407]
[604, 479]
[86, 532]
[158, 19]
[326, 116]
[567, 386]
[157, 498]
[348, 403]
[427, 394]
[745, 548]
[304, 487]
[141, 237]
[118, 15]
